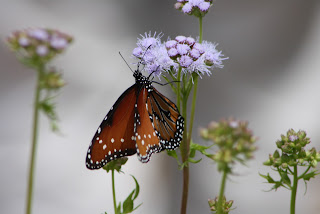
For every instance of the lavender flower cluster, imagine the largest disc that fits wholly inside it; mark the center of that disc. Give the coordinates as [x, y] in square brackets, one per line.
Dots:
[39, 43]
[183, 51]
[194, 7]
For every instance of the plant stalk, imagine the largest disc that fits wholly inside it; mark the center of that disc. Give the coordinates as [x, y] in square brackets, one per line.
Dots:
[222, 187]
[294, 190]
[114, 193]
[34, 142]
[179, 88]
[185, 156]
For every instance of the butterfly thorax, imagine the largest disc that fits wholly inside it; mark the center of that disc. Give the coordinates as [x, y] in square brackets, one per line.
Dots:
[142, 81]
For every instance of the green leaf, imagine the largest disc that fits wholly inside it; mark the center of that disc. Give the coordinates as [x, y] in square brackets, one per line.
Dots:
[268, 178]
[118, 209]
[285, 178]
[310, 175]
[128, 203]
[193, 160]
[137, 190]
[173, 154]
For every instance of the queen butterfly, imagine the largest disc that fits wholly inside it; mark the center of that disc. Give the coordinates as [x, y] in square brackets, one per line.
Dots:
[141, 121]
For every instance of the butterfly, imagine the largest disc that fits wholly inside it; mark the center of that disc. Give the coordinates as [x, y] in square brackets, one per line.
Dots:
[141, 121]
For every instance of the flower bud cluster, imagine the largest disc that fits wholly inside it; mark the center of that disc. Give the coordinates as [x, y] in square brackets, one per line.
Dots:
[293, 153]
[197, 8]
[39, 44]
[184, 50]
[234, 139]
[226, 205]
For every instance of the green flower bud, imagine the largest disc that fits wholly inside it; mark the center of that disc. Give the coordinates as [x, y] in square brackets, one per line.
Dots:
[314, 163]
[284, 165]
[276, 154]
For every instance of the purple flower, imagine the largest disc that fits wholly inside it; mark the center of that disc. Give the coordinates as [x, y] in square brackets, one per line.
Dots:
[42, 50]
[195, 54]
[181, 39]
[293, 138]
[190, 41]
[58, 42]
[212, 55]
[185, 61]
[183, 49]
[24, 41]
[39, 34]
[233, 124]
[194, 7]
[171, 44]
[187, 8]
[39, 42]
[204, 6]
[185, 52]
[178, 5]
[195, 2]
[199, 47]
[137, 52]
[149, 40]
[153, 54]
[173, 53]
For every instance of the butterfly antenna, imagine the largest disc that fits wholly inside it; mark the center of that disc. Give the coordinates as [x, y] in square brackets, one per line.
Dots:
[126, 62]
[142, 58]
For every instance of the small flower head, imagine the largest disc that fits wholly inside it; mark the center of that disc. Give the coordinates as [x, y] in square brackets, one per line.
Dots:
[196, 8]
[38, 44]
[234, 139]
[193, 56]
[153, 54]
[293, 151]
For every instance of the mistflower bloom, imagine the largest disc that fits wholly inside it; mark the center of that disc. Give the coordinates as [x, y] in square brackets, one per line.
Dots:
[181, 51]
[42, 50]
[38, 44]
[23, 41]
[201, 57]
[185, 61]
[197, 8]
[153, 54]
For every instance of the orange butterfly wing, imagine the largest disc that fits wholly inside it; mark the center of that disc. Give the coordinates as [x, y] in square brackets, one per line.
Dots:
[147, 141]
[115, 135]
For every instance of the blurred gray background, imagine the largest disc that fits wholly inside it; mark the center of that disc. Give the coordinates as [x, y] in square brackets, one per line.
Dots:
[271, 80]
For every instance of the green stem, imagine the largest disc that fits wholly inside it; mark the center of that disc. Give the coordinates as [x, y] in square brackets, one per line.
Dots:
[294, 190]
[200, 29]
[179, 87]
[114, 193]
[185, 156]
[222, 187]
[193, 107]
[34, 141]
